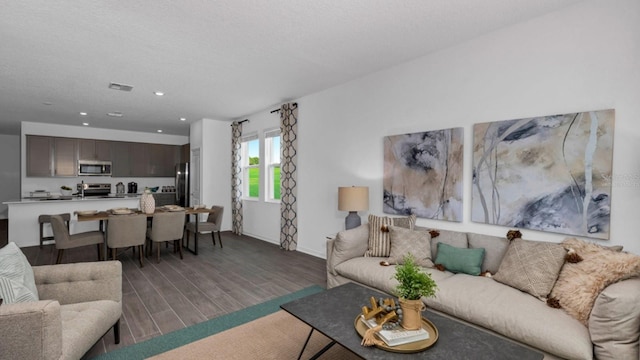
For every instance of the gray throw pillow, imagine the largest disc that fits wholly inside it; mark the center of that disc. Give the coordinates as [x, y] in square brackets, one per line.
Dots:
[531, 266]
[405, 241]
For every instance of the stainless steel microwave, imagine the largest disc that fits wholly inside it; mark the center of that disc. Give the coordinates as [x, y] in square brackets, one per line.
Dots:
[94, 168]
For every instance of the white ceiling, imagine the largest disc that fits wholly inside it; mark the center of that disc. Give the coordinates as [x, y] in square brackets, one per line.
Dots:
[216, 59]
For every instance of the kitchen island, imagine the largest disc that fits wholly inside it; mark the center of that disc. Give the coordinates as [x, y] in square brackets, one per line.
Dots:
[23, 214]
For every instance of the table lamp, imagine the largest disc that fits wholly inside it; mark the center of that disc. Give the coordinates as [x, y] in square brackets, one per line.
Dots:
[353, 199]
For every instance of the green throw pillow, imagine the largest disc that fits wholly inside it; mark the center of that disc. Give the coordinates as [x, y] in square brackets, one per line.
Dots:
[460, 260]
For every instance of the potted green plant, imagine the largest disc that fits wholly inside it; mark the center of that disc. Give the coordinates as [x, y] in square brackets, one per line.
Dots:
[414, 283]
[65, 190]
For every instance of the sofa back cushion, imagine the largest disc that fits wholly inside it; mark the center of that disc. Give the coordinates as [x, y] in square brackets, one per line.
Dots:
[453, 238]
[495, 247]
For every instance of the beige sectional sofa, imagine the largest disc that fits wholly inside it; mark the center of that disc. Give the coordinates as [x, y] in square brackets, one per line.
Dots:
[78, 304]
[613, 327]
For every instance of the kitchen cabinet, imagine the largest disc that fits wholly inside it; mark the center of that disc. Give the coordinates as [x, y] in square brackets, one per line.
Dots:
[120, 164]
[65, 156]
[90, 149]
[39, 155]
[139, 159]
[163, 160]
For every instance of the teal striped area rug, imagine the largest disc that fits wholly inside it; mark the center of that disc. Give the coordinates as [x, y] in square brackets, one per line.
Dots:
[199, 331]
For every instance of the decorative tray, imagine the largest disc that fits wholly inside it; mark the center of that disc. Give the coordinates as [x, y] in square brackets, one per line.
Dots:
[412, 347]
[86, 212]
[121, 211]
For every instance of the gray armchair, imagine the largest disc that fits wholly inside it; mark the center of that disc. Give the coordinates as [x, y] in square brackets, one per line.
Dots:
[167, 226]
[213, 224]
[78, 304]
[127, 231]
[66, 241]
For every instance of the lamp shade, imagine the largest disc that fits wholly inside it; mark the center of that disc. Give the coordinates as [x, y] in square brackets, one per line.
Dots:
[353, 198]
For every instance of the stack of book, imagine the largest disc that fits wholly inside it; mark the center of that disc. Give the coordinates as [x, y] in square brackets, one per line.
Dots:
[397, 336]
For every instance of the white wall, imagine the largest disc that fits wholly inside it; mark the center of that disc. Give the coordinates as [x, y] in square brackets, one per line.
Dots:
[585, 57]
[53, 184]
[9, 170]
[213, 139]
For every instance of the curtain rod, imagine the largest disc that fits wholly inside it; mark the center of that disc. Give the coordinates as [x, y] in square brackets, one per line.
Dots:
[295, 104]
[240, 122]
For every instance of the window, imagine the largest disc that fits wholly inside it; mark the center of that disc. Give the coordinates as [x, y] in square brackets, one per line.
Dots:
[251, 167]
[272, 154]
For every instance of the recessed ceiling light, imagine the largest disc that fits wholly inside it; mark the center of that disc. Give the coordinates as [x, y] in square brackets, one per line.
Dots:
[183, 119]
[83, 113]
[47, 103]
[159, 93]
[115, 114]
[159, 130]
[85, 124]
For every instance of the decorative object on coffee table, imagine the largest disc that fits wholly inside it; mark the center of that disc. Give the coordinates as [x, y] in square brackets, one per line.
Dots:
[413, 285]
[65, 190]
[353, 199]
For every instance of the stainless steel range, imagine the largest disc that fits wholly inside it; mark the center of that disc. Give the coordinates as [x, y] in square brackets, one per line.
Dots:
[94, 189]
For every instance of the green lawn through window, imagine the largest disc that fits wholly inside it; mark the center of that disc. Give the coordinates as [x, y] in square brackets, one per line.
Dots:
[254, 182]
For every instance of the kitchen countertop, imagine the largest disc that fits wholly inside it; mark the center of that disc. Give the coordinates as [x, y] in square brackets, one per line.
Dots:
[55, 199]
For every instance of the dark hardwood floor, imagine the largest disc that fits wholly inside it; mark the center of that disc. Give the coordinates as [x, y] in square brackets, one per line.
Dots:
[160, 298]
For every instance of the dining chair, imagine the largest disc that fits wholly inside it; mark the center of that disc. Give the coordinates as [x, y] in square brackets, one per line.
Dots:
[124, 231]
[46, 219]
[166, 226]
[64, 240]
[213, 224]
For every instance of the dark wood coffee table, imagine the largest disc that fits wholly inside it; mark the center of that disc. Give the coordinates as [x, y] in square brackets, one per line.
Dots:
[332, 313]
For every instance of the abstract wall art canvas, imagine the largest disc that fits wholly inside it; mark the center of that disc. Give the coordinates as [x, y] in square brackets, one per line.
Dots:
[548, 173]
[423, 174]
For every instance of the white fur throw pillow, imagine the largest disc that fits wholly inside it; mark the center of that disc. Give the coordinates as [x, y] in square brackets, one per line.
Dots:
[579, 284]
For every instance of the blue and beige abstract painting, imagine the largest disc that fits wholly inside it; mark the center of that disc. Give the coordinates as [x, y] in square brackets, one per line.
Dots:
[423, 174]
[548, 173]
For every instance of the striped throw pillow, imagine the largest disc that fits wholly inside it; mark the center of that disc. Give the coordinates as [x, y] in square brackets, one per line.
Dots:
[379, 243]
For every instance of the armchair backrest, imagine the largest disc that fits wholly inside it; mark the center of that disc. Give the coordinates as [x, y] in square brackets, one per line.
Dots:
[215, 216]
[126, 230]
[167, 226]
[60, 231]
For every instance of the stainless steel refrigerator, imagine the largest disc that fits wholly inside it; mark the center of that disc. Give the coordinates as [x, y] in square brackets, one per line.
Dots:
[182, 184]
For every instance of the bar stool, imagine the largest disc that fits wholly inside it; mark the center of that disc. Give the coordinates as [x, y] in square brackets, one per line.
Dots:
[46, 219]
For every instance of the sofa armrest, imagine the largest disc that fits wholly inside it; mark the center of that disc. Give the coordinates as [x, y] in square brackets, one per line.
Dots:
[614, 323]
[31, 330]
[348, 244]
[80, 282]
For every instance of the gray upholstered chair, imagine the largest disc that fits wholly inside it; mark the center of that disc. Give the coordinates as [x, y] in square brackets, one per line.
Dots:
[213, 223]
[166, 226]
[64, 240]
[45, 219]
[124, 231]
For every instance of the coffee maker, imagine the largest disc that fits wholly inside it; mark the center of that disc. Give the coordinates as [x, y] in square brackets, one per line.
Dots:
[132, 188]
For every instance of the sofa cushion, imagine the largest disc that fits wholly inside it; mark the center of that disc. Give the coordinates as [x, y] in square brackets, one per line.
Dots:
[453, 238]
[460, 260]
[405, 241]
[349, 244]
[379, 244]
[580, 283]
[494, 249]
[512, 313]
[369, 272]
[17, 283]
[83, 324]
[531, 266]
[615, 319]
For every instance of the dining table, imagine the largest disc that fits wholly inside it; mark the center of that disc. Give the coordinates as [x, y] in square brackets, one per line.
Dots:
[103, 216]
